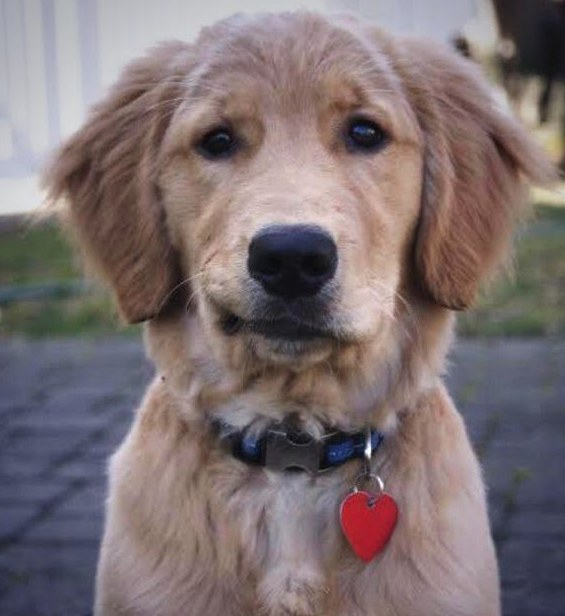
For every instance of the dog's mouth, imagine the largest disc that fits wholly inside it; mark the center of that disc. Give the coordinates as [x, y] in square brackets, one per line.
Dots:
[285, 328]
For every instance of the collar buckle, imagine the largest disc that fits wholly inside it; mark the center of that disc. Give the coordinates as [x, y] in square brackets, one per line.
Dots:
[286, 450]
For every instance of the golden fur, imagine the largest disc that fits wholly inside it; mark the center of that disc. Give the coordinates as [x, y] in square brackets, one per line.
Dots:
[191, 530]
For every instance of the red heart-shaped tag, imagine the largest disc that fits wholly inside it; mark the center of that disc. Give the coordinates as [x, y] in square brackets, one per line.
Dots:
[368, 522]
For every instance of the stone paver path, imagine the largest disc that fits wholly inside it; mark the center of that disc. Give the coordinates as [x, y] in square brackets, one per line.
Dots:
[64, 406]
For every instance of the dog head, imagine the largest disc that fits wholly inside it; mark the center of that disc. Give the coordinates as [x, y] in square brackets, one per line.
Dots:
[304, 182]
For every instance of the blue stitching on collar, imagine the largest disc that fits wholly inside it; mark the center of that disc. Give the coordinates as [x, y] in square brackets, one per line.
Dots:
[340, 452]
[251, 446]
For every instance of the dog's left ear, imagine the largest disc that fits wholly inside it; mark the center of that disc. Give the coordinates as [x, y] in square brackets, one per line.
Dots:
[477, 163]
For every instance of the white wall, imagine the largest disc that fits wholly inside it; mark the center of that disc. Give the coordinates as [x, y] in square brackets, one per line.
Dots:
[437, 19]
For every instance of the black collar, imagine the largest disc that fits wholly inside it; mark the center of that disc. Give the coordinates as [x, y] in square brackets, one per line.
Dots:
[282, 448]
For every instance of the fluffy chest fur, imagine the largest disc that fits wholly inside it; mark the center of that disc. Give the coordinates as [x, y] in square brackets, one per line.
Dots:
[203, 529]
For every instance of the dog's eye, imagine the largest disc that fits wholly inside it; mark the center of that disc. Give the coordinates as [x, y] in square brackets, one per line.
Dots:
[365, 135]
[218, 143]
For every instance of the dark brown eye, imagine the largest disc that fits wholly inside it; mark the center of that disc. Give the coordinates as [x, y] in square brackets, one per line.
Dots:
[218, 143]
[365, 136]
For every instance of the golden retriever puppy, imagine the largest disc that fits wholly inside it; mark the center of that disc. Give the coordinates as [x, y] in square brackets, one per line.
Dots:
[295, 205]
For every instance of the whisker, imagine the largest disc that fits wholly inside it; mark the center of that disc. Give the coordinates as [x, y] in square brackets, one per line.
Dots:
[189, 300]
[390, 297]
[178, 286]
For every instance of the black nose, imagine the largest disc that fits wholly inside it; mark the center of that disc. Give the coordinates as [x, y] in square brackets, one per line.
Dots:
[292, 260]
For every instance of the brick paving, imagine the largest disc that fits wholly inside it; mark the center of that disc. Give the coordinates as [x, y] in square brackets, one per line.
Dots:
[65, 405]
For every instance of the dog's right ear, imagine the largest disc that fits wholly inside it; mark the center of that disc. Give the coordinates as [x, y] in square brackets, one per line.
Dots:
[107, 174]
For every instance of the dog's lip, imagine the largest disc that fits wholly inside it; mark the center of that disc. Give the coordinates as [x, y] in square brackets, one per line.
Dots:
[281, 328]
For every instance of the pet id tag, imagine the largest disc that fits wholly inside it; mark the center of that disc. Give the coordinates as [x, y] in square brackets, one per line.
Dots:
[368, 519]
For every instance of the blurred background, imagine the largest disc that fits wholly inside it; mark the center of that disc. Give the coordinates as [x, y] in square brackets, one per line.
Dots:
[70, 373]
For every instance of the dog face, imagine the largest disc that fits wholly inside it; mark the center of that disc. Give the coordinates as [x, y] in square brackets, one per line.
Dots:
[301, 179]
[292, 193]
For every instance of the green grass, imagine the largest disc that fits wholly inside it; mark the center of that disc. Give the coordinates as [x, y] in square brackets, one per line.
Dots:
[530, 303]
[35, 253]
[39, 255]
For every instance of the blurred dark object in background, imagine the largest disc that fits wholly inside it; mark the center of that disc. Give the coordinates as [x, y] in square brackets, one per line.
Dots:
[461, 45]
[532, 42]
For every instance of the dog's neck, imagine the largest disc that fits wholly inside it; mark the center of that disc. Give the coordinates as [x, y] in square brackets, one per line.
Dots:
[384, 378]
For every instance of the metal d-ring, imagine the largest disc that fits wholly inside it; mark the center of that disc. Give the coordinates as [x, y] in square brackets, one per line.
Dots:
[365, 478]
[368, 452]
[366, 475]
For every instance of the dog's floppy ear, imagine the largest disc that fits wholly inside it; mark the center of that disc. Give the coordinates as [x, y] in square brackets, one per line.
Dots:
[477, 162]
[107, 175]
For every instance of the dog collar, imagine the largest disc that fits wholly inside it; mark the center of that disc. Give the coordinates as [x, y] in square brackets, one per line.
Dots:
[282, 448]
